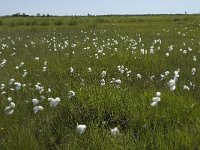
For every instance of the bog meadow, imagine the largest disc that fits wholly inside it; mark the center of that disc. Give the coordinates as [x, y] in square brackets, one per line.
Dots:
[106, 82]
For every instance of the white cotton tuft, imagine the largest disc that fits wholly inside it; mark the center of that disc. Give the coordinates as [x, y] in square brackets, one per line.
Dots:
[71, 94]
[81, 128]
[37, 109]
[114, 131]
[35, 101]
[154, 104]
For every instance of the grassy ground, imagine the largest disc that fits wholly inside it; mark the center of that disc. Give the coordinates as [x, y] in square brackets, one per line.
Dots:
[102, 44]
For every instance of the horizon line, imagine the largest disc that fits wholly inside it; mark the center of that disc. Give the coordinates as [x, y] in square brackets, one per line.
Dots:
[90, 15]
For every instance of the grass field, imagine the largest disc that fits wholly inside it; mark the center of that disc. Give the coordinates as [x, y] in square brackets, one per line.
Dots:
[104, 73]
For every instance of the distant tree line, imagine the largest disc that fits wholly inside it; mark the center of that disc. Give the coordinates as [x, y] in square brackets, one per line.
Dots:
[26, 15]
[90, 15]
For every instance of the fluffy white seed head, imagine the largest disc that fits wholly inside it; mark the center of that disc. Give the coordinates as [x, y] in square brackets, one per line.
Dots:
[17, 86]
[50, 99]
[193, 71]
[172, 84]
[12, 105]
[139, 76]
[35, 101]
[194, 58]
[71, 70]
[37, 109]
[89, 69]
[158, 94]
[2, 86]
[9, 99]
[154, 104]
[54, 102]
[166, 73]
[11, 81]
[71, 94]
[9, 111]
[81, 128]
[118, 83]
[114, 131]
[103, 82]
[185, 87]
[156, 99]
[103, 74]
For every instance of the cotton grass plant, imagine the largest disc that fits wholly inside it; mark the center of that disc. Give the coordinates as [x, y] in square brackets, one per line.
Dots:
[106, 78]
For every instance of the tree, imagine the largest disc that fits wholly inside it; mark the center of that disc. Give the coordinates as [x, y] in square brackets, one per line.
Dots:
[16, 15]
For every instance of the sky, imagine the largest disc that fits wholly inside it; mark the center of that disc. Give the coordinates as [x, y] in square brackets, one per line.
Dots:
[98, 7]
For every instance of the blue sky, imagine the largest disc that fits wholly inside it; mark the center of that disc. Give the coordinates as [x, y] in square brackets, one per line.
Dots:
[98, 7]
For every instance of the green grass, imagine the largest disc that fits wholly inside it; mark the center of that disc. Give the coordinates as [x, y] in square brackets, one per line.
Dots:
[173, 124]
